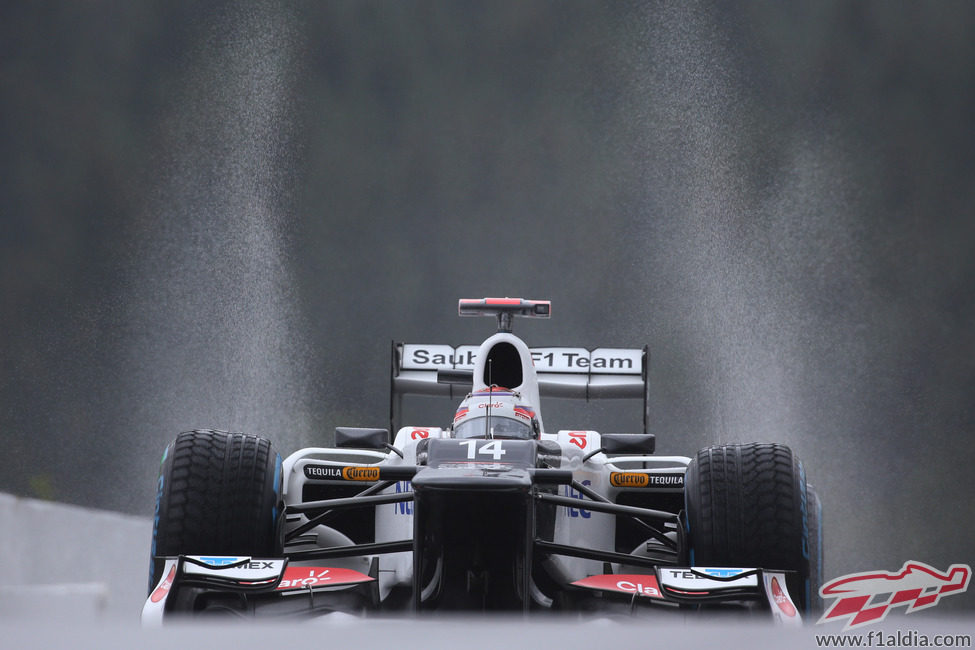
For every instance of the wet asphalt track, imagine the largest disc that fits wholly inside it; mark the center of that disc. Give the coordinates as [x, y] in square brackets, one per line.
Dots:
[61, 629]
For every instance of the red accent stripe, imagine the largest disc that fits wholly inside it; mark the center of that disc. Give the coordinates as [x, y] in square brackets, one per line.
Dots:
[523, 412]
[905, 596]
[161, 591]
[502, 301]
[868, 615]
[686, 593]
[845, 606]
[925, 600]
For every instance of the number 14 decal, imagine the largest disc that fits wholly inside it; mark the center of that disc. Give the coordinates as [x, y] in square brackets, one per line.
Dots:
[490, 448]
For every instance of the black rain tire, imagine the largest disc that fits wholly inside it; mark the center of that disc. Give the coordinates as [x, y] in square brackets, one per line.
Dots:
[218, 494]
[746, 507]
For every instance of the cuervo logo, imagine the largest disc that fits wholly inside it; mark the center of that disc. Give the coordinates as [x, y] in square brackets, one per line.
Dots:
[628, 479]
[347, 473]
[642, 480]
[360, 473]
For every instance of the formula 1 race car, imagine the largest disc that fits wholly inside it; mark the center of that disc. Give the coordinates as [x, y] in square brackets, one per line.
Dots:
[492, 512]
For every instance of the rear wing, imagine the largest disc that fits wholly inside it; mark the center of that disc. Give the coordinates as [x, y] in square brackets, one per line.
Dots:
[564, 372]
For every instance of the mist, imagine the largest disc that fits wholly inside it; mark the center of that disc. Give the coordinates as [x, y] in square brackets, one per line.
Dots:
[220, 215]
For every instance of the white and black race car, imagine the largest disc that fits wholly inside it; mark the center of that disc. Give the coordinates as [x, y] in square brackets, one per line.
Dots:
[492, 512]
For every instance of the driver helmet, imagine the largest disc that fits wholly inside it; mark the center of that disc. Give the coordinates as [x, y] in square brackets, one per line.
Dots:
[495, 412]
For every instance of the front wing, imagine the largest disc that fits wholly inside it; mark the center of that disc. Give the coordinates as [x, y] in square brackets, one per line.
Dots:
[703, 585]
[274, 586]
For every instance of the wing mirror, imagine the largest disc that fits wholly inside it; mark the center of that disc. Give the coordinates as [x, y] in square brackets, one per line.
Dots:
[361, 438]
[615, 444]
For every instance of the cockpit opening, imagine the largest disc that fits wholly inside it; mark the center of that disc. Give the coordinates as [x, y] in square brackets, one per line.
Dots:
[503, 367]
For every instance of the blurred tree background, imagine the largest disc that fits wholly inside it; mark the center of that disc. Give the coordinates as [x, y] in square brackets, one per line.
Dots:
[218, 214]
